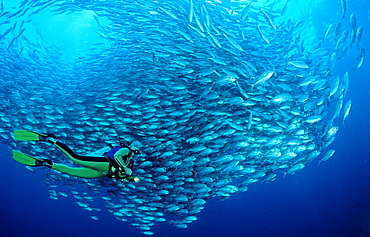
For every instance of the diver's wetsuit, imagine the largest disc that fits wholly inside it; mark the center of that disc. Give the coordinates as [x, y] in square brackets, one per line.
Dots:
[94, 166]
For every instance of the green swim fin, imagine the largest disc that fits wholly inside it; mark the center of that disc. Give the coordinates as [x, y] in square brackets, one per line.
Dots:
[26, 159]
[25, 135]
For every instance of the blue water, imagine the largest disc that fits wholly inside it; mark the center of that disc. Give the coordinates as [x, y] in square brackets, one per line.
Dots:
[332, 199]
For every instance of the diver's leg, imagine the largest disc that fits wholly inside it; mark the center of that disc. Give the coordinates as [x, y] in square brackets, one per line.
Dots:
[82, 172]
[100, 164]
[68, 152]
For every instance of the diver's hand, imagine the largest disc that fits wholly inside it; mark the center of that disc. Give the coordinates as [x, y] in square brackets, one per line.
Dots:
[131, 178]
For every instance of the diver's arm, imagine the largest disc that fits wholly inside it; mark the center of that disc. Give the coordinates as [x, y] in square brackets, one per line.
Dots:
[131, 165]
[82, 172]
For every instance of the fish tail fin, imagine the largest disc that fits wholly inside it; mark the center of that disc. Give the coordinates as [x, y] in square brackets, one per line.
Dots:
[284, 172]
[342, 123]
[319, 163]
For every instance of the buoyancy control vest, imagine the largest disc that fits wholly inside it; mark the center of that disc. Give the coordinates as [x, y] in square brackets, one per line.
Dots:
[119, 167]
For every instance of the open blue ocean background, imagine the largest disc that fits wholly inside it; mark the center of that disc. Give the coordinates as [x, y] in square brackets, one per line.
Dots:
[332, 199]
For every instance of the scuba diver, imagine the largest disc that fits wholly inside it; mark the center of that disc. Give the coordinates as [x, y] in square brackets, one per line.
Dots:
[113, 162]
